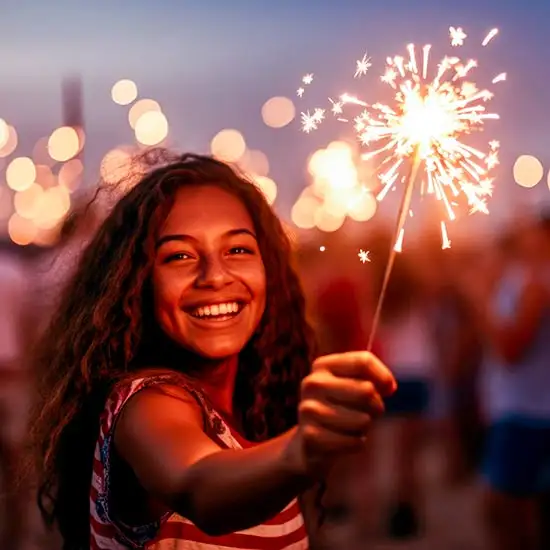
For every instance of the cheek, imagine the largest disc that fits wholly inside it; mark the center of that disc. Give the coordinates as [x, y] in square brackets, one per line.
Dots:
[166, 294]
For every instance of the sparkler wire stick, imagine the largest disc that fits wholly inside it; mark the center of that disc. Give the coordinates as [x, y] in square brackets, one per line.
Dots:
[401, 217]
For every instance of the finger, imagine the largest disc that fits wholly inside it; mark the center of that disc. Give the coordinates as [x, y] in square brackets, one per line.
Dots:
[318, 438]
[362, 365]
[335, 418]
[360, 395]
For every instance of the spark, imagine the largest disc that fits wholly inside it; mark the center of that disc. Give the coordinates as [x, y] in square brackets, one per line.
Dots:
[499, 78]
[445, 236]
[307, 79]
[311, 121]
[362, 66]
[337, 107]
[363, 256]
[457, 36]
[322, 248]
[489, 37]
[300, 92]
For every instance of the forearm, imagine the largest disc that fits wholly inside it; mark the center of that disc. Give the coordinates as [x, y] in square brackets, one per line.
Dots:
[233, 490]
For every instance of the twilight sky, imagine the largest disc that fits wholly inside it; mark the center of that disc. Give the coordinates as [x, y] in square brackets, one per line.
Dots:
[212, 64]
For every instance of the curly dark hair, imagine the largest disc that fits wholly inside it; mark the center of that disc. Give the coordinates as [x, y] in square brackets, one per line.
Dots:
[103, 327]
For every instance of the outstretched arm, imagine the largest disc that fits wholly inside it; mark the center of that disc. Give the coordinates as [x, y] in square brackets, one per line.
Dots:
[160, 435]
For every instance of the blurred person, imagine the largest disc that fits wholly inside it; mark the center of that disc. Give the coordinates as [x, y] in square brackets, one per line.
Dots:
[408, 348]
[14, 395]
[183, 407]
[511, 296]
[458, 346]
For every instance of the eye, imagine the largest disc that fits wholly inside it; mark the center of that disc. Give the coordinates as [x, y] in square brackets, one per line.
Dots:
[238, 250]
[180, 256]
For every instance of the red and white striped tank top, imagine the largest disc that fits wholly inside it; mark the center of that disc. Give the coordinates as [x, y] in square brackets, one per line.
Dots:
[285, 531]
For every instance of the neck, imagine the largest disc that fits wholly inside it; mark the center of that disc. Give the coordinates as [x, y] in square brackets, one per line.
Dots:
[217, 378]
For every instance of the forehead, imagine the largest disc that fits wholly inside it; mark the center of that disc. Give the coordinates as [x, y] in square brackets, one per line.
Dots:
[203, 208]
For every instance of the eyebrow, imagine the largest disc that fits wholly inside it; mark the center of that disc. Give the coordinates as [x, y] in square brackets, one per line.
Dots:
[181, 237]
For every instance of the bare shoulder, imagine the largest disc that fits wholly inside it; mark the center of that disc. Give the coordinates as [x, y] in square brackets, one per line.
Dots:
[159, 434]
[157, 405]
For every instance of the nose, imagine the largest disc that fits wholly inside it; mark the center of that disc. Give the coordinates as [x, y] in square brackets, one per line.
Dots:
[213, 273]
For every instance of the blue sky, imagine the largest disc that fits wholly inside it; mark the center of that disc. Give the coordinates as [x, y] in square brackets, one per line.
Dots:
[212, 64]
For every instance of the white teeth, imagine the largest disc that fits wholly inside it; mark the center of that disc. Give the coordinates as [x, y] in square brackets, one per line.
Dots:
[216, 310]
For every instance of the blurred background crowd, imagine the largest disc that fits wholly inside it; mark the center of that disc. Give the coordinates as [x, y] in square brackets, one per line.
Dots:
[465, 445]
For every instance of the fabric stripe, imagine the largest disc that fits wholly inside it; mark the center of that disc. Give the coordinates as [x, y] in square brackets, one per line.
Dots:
[285, 531]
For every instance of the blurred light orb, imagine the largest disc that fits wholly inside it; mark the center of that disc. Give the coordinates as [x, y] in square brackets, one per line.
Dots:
[277, 112]
[115, 166]
[40, 153]
[327, 222]
[528, 171]
[267, 186]
[63, 144]
[44, 176]
[70, 174]
[228, 145]
[255, 162]
[27, 202]
[141, 107]
[362, 207]
[55, 203]
[20, 173]
[303, 212]
[11, 143]
[124, 91]
[4, 132]
[151, 128]
[6, 209]
[20, 230]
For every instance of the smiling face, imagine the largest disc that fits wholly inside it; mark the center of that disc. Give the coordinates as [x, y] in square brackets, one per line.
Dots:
[208, 277]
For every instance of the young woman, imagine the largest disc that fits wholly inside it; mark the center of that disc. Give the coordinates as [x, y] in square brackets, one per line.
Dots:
[182, 406]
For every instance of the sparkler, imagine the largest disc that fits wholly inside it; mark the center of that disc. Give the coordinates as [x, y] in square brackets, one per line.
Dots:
[421, 135]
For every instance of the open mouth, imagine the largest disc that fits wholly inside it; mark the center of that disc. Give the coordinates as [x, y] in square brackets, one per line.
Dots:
[217, 312]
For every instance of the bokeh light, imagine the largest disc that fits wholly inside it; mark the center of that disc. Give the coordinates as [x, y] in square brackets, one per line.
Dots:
[362, 207]
[228, 145]
[528, 171]
[141, 107]
[70, 174]
[4, 132]
[27, 202]
[124, 91]
[54, 205]
[303, 212]
[20, 230]
[277, 112]
[64, 144]
[151, 128]
[20, 173]
[44, 176]
[115, 166]
[11, 143]
[255, 162]
[328, 222]
[40, 153]
[267, 186]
